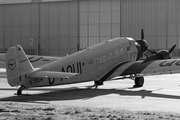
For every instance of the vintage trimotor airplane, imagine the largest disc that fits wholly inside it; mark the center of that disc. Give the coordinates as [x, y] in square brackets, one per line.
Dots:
[101, 62]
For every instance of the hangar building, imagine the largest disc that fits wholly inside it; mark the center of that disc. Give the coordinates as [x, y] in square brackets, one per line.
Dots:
[60, 27]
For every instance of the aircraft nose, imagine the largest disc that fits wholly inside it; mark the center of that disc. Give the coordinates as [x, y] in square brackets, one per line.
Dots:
[145, 45]
[142, 44]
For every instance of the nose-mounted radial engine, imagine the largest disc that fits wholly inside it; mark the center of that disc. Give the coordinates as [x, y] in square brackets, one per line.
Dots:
[141, 45]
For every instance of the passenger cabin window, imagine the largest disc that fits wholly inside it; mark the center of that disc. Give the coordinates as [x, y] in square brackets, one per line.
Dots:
[121, 50]
[90, 62]
[128, 48]
[110, 55]
[104, 57]
[97, 60]
[124, 50]
[101, 59]
[116, 52]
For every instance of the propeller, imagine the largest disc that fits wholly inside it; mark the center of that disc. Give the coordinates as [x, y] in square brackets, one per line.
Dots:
[142, 34]
[141, 45]
[172, 48]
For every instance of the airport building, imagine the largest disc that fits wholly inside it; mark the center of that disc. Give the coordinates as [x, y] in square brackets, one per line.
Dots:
[60, 27]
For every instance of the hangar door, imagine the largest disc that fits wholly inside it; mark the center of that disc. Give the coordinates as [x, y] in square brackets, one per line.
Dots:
[41, 28]
[58, 28]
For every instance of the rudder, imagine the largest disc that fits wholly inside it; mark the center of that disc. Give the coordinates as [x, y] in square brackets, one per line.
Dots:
[17, 65]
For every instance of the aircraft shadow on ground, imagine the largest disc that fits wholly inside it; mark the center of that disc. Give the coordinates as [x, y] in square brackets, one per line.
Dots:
[75, 93]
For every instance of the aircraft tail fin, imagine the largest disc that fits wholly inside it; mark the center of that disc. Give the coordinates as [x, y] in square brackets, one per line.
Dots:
[17, 65]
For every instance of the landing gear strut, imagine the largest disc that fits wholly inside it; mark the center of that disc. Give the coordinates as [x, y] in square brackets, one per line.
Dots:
[19, 91]
[98, 83]
[139, 81]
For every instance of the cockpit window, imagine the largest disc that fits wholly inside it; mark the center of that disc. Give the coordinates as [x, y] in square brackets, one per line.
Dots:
[132, 43]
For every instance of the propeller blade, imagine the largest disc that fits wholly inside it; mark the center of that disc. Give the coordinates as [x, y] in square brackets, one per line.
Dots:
[172, 48]
[142, 34]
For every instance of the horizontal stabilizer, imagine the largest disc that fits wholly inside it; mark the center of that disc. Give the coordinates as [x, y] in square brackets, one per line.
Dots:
[52, 74]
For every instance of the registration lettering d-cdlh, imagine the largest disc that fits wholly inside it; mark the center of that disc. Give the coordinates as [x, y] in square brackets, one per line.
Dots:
[167, 63]
[36, 81]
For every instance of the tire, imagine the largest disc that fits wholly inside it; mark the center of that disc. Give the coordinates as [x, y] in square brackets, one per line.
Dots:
[139, 81]
[19, 92]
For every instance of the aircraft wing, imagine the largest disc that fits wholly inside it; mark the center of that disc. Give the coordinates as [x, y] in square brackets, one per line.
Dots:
[34, 59]
[41, 60]
[52, 74]
[156, 67]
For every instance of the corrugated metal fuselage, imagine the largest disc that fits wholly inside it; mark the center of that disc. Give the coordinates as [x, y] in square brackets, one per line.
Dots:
[91, 63]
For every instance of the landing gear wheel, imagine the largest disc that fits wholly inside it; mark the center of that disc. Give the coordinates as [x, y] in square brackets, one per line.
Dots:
[139, 81]
[19, 91]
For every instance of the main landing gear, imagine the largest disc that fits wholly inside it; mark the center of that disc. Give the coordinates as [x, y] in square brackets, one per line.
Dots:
[19, 91]
[139, 81]
[98, 83]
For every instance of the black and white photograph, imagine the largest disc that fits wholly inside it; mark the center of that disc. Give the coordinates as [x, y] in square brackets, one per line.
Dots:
[89, 59]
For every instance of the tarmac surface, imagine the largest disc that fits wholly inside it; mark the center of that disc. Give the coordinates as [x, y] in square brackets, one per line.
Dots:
[159, 93]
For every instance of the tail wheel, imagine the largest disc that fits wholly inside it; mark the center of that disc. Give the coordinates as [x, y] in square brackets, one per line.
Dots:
[139, 81]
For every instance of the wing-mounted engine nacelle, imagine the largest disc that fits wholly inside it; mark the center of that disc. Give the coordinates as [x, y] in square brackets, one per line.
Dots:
[160, 55]
[163, 54]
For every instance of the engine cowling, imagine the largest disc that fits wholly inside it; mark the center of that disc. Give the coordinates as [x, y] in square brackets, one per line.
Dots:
[164, 54]
[160, 55]
[142, 46]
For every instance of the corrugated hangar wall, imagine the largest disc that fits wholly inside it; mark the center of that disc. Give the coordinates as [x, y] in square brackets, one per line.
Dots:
[99, 21]
[58, 28]
[105, 19]
[19, 25]
[62, 27]
[54, 25]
